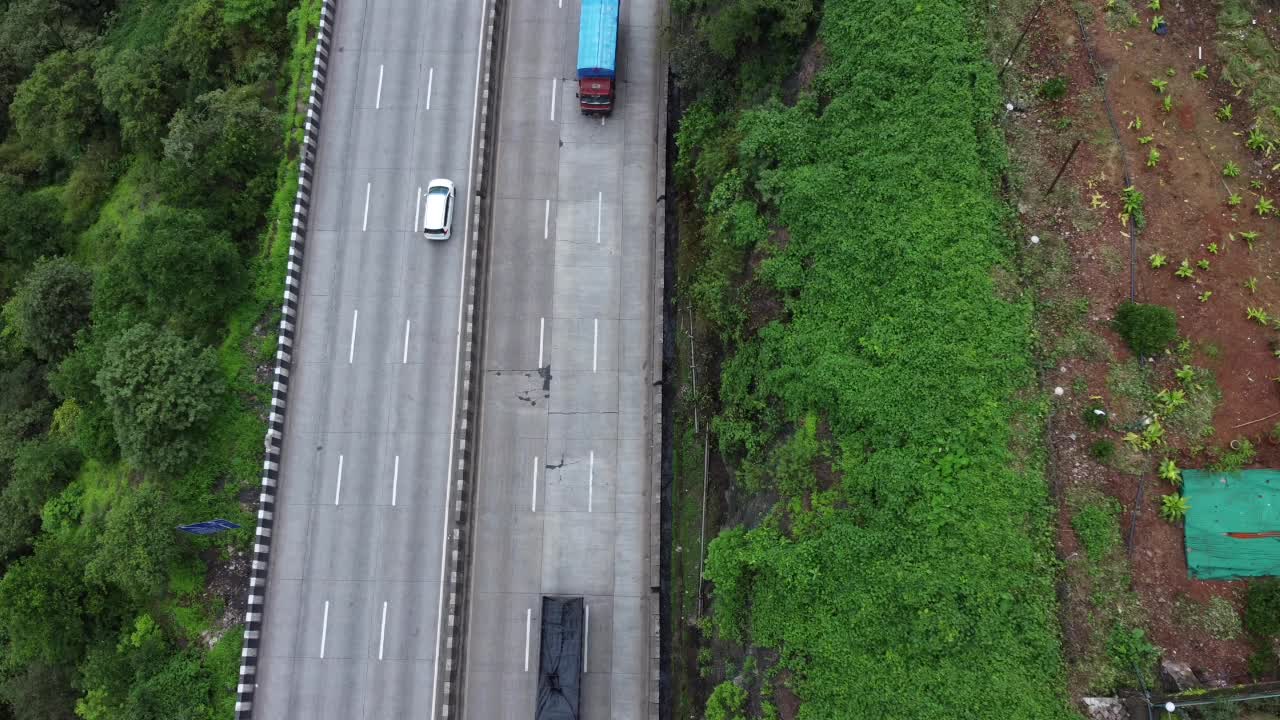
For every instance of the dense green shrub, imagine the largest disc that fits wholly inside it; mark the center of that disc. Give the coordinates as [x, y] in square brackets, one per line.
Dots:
[55, 109]
[30, 226]
[1094, 416]
[136, 545]
[161, 390]
[1055, 88]
[43, 605]
[727, 702]
[50, 306]
[893, 334]
[1262, 608]
[1148, 329]
[173, 268]
[136, 91]
[1130, 649]
[1102, 450]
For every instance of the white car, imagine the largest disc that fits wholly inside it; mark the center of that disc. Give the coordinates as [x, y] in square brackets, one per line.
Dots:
[437, 210]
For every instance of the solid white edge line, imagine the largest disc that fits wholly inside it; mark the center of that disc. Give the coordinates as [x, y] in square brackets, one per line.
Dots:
[586, 634]
[528, 622]
[553, 99]
[534, 507]
[382, 634]
[591, 479]
[395, 481]
[355, 320]
[457, 355]
[417, 207]
[367, 188]
[431, 76]
[595, 342]
[546, 220]
[405, 357]
[337, 492]
[542, 331]
[324, 628]
[377, 103]
[599, 213]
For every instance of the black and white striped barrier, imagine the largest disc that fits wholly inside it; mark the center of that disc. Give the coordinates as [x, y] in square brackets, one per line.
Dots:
[247, 684]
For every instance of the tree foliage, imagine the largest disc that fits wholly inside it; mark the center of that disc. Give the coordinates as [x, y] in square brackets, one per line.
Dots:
[30, 226]
[43, 605]
[50, 306]
[54, 109]
[172, 268]
[217, 155]
[136, 545]
[161, 390]
[135, 88]
[1148, 329]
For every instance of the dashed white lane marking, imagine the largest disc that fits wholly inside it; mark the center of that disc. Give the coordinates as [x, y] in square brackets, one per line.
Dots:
[395, 481]
[368, 187]
[382, 634]
[595, 342]
[599, 213]
[337, 492]
[377, 103]
[542, 331]
[528, 622]
[591, 478]
[431, 76]
[534, 507]
[355, 320]
[404, 358]
[417, 207]
[586, 634]
[324, 628]
[553, 99]
[546, 220]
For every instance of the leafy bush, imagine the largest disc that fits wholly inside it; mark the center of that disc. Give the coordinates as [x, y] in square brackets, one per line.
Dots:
[1094, 416]
[171, 269]
[161, 390]
[1129, 649]
[727, 702]
[1102, 450]
[1148, 329]
[50, 306]
[1174, 507]
[54, 109]
[136, 546]
[1097, 526]
[1055, 88]
[1262, 608]
[1233, 459]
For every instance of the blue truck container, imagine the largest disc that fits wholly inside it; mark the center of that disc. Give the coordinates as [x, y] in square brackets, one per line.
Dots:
[597, 56]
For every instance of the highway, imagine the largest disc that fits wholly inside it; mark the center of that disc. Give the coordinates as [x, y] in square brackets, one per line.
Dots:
[351, 619]
[563, 480]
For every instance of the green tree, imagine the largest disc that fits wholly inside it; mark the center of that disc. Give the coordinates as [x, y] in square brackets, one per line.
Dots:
[171, 268]
[50, 306]
[41, 469]
[30, 226]
[90, 424]
[135, 87]
[42, 605]
[136, 546]
[54, 109]
[161, 390]
[218, 154]
[40, 692]
[197, 42]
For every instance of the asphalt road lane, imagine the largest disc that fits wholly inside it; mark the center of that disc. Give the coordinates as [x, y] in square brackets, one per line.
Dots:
[350, 627]
[563, 478]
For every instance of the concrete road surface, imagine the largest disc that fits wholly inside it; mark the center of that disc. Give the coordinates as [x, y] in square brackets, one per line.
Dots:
[350, 627]
[563, 475]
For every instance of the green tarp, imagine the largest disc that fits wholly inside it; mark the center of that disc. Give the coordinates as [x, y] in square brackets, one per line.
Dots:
[1233, 526]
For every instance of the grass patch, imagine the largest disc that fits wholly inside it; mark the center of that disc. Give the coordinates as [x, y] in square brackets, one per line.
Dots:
[1250, 62]
[1095, 520]
[1216, 617]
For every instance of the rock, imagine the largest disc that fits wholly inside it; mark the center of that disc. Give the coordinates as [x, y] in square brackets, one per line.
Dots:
[1177, 676]
[1105, 708]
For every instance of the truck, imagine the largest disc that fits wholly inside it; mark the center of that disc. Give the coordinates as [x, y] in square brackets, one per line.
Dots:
[560, 659]
[598, 56]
